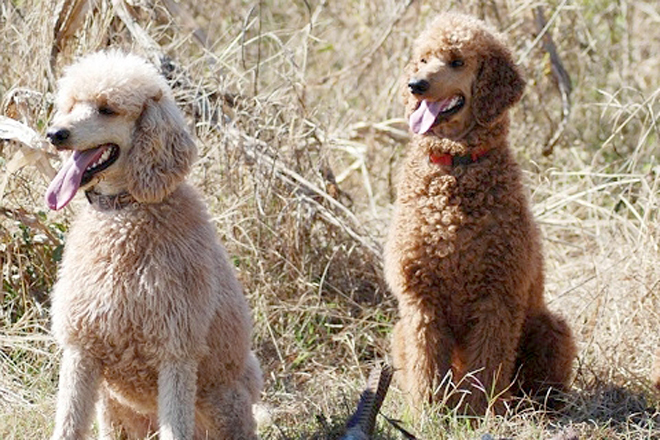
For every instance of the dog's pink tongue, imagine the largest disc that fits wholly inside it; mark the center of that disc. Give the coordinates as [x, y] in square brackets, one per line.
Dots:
[423, 118]
[64, 186]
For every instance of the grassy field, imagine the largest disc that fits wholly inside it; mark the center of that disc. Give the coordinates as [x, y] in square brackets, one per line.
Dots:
[296, 110]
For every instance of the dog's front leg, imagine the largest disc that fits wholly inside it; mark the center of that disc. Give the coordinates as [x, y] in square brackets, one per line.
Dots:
[78, 390]
[177, 386]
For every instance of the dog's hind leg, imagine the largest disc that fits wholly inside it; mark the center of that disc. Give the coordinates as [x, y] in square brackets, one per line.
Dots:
[252, 378]
[226, 412]
[545, 355]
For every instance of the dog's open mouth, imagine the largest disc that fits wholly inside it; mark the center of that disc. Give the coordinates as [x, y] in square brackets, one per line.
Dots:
[431, 113]
[108, 155]
[77, 171]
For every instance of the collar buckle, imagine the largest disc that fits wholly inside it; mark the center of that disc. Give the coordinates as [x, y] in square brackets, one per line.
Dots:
[447, 159]
[114, 202]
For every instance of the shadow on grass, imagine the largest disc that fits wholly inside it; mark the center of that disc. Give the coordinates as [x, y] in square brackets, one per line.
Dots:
[604, 410]
[617, 408]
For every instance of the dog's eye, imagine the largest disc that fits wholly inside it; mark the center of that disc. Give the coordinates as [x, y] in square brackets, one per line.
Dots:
[457, 63]
[106, 110]
[423, 61]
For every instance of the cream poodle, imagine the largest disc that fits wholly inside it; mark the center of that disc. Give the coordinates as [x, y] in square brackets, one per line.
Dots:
[153, 323]
[463, 256]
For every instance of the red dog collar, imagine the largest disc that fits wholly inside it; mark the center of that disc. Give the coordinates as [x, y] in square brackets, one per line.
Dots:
[447, 159]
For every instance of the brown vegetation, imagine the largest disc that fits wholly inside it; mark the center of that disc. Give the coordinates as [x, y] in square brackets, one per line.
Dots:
[297, 117]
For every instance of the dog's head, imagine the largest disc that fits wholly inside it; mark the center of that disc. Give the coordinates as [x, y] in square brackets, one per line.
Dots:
[117, 116]
[460, 74]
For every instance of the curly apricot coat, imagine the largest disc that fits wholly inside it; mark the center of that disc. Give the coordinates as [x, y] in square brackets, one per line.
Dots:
[152, 320]
[463, 256]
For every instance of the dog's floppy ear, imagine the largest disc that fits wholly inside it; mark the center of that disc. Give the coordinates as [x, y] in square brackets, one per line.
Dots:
[498, 86]
[162, 151]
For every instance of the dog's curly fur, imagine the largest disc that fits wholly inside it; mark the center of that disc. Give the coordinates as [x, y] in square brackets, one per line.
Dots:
[463, 256]
[153, 323]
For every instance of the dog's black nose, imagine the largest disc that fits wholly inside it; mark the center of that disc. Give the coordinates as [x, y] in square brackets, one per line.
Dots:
[58, 136]
[419, 86]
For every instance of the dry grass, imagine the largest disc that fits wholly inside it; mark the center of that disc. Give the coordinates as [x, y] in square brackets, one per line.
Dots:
[295, 107]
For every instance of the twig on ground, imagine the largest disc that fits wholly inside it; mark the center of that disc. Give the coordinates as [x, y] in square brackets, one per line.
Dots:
[32, 150]
[256, 150]
[560, 74]
[186, 19]
[361, 425]
[70, 17]
[365, 60]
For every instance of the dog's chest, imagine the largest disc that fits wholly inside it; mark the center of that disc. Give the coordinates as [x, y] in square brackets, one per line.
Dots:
[448, 227]
[443, 217]
[114, 296]
[114, 320]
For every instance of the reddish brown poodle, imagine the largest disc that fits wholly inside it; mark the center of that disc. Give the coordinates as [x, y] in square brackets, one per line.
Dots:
[463, 256]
